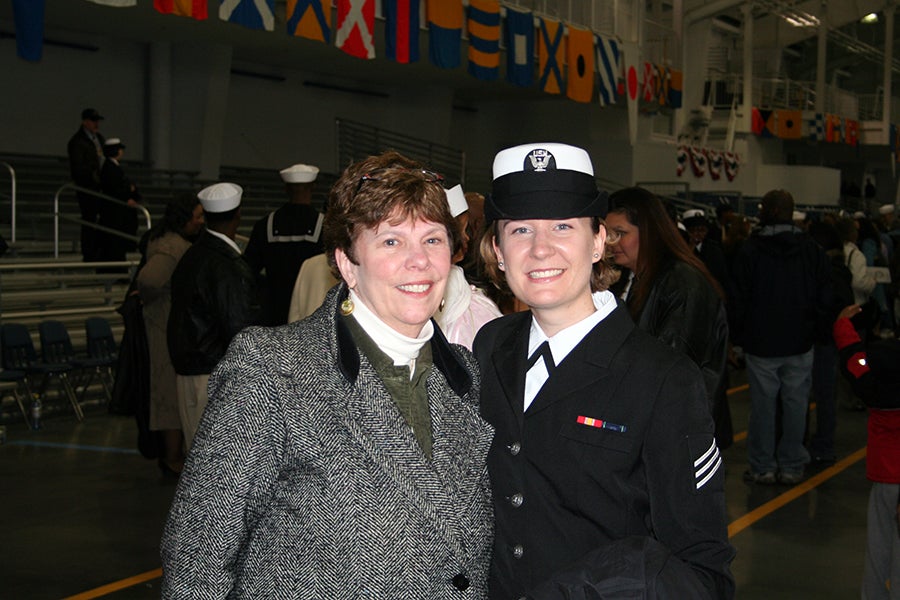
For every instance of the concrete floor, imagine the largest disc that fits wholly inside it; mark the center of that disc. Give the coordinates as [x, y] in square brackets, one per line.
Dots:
[82, 513]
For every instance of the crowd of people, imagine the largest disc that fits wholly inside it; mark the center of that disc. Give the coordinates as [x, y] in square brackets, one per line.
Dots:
[423, 392]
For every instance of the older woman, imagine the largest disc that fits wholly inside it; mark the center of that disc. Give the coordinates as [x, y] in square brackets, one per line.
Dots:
[604, 465]
[166, 243]
[670, 293]
[343, 456]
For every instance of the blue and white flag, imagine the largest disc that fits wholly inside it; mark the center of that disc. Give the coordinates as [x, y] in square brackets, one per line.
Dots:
[519, 47]
[815, 123]
[254, 14]
[608, 67]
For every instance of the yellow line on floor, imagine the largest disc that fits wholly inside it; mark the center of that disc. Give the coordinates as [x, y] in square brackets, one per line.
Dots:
[117, 585]
[795, 492]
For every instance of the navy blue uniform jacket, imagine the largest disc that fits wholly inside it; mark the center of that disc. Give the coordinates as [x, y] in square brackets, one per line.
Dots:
[564, 488]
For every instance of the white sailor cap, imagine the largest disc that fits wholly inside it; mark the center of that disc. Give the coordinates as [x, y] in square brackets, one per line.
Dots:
[798, 215]
[220, 197]
[859, 215]
[694, 216]
[299, 173]
[113, 141]
[886, 209]
[456, 200]
[544, 181]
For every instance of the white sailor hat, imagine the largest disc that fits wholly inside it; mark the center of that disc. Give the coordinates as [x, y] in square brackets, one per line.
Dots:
[886, 209]
[220, 197]
[544, 181]
[114, 141]
[859, 215]
[299, 173]
[456, 200]
[798, 215]
[694, 216]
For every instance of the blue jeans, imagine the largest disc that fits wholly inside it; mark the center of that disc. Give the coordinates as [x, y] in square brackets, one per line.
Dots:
[767, 376]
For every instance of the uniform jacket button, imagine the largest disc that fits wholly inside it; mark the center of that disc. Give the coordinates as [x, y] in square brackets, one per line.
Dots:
[460, 582]
[518, 551]
[516, 500]
[514, 448]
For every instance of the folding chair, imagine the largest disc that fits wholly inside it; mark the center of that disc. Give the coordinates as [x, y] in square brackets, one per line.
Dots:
[102, 349]
[11, 381]
[19, 355]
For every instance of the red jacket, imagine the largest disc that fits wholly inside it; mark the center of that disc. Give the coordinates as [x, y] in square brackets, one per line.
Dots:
[874, 376]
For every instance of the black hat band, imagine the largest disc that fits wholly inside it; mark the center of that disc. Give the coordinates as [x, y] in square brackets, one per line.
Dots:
[559, 194]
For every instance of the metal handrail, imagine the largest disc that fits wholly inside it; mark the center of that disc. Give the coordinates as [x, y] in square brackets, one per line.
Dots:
[12, 174]
[78, 188]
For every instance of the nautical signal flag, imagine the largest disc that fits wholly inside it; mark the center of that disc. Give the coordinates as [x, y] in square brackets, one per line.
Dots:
[815, 126]
[519, 47]
[184, 8]
[355, 24]
[648, 83]
[28, 16]
[580, 58]
[762, 122]
[789, 124]
[253, 14]
[484, 39]
[608, 68]
[445, 23]
[851, 133]
[550, 56]
[832, 128]
[310, 19]
[401, 30]
[676, 84]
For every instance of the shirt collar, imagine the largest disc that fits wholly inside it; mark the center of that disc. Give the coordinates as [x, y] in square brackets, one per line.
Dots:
[565, 341]
[226, 239]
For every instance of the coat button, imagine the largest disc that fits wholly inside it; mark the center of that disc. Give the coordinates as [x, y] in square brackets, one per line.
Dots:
[516, 500]
[460, 582]
[514, 448]
[518, 551]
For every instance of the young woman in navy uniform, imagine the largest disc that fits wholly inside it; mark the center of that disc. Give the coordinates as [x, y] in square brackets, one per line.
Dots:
[605, 471]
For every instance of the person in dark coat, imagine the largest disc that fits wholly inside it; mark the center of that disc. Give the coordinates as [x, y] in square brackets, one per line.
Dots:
[282, 240]
[602, 431]
[116, 184]
[672, 295]
[85, 151]
[213, 298]
[784, 306]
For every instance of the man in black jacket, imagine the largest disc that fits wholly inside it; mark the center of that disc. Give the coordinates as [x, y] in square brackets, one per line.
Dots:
[784, 290]
[213, 298]
[85, 151]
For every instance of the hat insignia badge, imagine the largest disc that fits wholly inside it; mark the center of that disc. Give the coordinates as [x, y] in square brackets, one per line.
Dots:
[539, 160]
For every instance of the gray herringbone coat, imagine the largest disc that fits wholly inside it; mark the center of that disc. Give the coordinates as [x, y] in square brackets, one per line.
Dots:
[304, 480]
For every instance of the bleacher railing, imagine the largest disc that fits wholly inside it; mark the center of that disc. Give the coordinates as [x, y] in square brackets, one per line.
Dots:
[356, 141]
[71, 186]
[12, 196]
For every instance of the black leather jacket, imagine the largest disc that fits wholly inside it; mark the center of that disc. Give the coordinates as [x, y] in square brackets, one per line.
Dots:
[213, 298]
[684, 311]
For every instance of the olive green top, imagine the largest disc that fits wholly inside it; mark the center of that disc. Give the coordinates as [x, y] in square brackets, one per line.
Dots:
[410, 395]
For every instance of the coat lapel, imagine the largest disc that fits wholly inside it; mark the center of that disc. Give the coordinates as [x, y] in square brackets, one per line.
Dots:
[588, 362]
[509, 361]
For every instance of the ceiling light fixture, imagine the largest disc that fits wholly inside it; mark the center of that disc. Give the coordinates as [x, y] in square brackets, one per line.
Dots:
[870, 18]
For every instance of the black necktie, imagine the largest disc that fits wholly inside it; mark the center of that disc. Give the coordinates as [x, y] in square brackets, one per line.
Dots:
[542, 350]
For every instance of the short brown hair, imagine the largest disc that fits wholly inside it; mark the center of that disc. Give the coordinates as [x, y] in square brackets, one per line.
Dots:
[777, 206]
[603, 274]
[387, 187]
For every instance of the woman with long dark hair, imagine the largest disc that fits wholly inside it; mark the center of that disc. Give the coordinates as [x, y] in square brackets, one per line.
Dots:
[167, 241]
[670, 293]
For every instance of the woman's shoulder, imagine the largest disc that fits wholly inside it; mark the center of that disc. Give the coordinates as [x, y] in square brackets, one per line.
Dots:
[168, 243]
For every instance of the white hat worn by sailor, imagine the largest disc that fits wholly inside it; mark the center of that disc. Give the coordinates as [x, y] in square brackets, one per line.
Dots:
[694, 216]
[456, 200]
[544, 180]
[886, 209]
[299, 173]
[798, 215]
[859, 215]
[220, 197]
